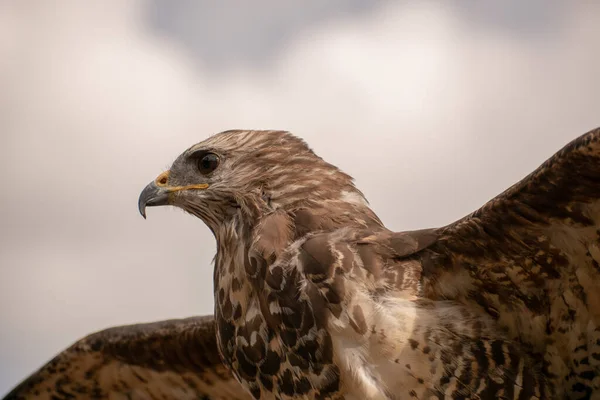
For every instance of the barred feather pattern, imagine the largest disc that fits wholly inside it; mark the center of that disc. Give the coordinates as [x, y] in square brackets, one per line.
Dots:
[316, 299]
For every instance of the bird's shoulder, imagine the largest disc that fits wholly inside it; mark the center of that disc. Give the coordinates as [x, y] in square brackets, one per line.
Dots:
[379, 261]
[360, 291]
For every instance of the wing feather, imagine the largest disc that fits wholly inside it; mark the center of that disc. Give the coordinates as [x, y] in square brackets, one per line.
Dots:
[174, 359]
[531, 259]
[387, 340]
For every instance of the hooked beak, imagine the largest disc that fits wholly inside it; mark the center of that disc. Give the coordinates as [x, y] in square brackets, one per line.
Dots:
[157, 192]
[152, 195]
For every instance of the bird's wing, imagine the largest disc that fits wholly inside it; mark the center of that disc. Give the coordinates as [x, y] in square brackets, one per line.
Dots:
[531, 259]
[175, 359]
[350, 309]
[506, 300]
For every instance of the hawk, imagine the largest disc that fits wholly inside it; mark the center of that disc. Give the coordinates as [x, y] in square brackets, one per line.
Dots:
[316, 299]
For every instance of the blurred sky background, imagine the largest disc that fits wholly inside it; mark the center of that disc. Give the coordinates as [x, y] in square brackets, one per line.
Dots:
[434, 108]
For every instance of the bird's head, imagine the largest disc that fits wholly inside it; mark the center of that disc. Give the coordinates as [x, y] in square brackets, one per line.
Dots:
[248, 174]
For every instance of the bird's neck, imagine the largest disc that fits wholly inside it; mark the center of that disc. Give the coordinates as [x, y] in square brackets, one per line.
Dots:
[246, 247]
[245, 251]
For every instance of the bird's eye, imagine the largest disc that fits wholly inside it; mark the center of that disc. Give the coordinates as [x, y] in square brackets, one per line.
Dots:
[208, 163]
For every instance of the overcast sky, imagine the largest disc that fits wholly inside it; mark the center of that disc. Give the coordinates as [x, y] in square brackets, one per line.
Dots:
[434, 108]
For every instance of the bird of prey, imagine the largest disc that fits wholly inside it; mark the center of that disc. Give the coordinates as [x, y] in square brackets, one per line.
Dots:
[316, 299]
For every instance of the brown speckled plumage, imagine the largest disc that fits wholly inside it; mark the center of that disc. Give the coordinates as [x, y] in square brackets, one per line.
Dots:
[316, 299]
[173, 359]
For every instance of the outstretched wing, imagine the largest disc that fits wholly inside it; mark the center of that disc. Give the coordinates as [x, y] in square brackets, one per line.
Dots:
[175, 359]
[531, 259]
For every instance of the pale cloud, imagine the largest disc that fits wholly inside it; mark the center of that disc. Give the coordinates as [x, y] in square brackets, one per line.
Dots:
[431, 113]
